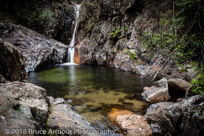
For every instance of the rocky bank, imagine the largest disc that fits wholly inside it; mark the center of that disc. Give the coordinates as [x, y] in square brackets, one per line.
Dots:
[23, 50]
[25, 106]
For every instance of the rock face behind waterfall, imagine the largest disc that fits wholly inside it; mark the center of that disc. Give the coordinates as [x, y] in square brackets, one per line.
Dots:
[111, 33]
[34, 50]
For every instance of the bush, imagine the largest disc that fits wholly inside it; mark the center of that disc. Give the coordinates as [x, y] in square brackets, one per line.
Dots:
[198, 83]
[132, 55]
[115, 33]
[47, 16]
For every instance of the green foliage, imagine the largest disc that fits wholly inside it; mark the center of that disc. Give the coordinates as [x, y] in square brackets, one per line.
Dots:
[165, 39]
[189, 48]
[198, 83]
[182, 35]
[115, 33]
[132, 55]
[184, 47]
[47, 16]
[126, 28]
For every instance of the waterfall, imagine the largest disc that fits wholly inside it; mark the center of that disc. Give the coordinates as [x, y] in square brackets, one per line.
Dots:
[71, 49]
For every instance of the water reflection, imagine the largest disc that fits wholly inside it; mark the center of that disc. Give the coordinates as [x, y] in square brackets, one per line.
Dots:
[93, 90]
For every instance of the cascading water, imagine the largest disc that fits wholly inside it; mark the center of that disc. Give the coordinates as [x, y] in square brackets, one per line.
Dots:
[71, 46]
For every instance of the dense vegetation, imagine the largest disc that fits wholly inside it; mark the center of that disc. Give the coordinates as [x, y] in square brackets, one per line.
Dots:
[181, 37]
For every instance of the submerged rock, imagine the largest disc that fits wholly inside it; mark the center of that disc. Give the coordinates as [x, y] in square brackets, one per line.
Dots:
[179, 84]
[33, 48]
[157, 94]
[63, 117]
[134, 125]
[112, 115]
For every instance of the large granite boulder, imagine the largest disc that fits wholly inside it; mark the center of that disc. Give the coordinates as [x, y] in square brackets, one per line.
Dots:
[36, 50]
[12, 120]
[63, 117]
[23, 107]
[30, 98]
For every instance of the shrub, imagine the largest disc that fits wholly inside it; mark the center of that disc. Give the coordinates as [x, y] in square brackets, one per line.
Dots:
[132, 55]
[198, 83]
[115, 33]
[47, 16]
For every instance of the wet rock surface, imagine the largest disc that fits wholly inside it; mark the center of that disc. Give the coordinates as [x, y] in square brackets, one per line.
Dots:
[36, 49]
[114, 113]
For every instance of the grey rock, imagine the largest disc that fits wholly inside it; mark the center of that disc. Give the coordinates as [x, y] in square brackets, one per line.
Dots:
[12, 119]
[12, 64]
[59, 101]
[179, 84]
[36, 50]
[157, 107]
[179, 118]
[157, 94]
[63, 117]
[28, 95]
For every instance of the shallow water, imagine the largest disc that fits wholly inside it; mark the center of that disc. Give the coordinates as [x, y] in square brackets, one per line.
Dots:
[94, 90]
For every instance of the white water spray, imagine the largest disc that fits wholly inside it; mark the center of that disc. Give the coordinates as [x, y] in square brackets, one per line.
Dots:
[71, 46]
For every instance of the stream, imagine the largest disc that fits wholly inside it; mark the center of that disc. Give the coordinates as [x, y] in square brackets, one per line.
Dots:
[94, 90]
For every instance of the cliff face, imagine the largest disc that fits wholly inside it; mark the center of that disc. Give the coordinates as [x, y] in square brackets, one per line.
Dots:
[110, 33]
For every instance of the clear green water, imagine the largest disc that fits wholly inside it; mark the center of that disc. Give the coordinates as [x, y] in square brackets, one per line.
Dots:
[94, 90]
